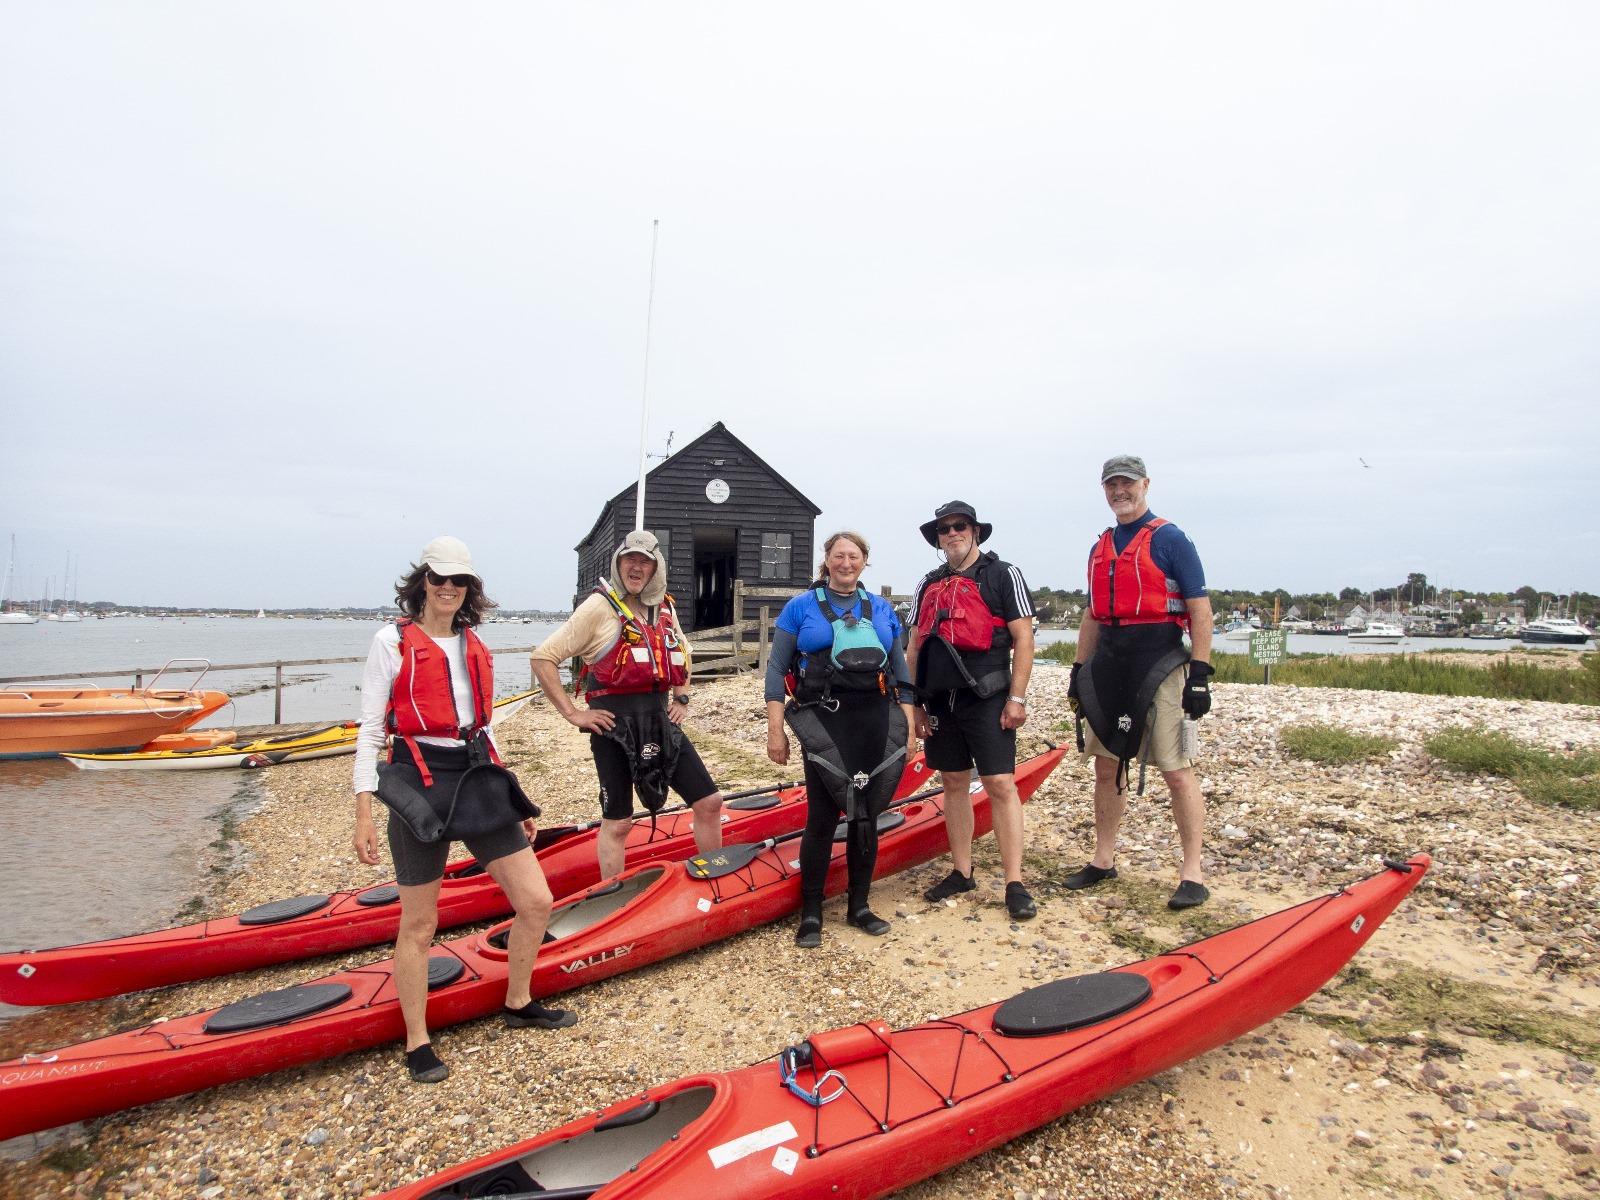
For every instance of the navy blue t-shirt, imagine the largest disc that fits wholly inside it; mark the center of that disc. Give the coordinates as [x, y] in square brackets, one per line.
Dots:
[1172, 552]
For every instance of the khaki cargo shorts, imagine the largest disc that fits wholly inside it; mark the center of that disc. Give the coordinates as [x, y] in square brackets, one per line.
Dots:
[1161, 748]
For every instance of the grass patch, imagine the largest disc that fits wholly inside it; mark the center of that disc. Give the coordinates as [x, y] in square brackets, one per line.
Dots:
[69, 1160]
[1501, 680]
[1422, 999]
[1540, 775]
[1329, 744]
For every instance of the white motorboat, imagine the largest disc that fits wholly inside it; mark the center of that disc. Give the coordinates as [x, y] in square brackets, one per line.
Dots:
[1378, 633]
[1557, 631]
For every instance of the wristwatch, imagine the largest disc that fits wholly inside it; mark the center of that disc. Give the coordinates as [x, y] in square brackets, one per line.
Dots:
[682, 697]
[1022, 700]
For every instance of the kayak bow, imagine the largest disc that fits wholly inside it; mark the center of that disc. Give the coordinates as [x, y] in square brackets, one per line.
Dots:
[866, 1110]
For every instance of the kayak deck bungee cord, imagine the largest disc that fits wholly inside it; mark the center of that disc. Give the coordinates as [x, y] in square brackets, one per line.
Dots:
[863, 1111]
[307, 926]
[645, 915]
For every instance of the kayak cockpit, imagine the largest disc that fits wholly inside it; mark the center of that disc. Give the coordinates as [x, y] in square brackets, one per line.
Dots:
[1071, 1003]
[576, 1168]
[584, 913]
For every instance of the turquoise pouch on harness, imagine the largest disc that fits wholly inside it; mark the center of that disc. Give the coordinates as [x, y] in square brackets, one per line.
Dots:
[856, 648]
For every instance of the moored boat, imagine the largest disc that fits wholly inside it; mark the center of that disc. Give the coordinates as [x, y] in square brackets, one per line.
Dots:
[866, 1110]
[645, 915]
[1378, 633]
[249, 752]
[326, 923]
[1555, 631]
[41, 722]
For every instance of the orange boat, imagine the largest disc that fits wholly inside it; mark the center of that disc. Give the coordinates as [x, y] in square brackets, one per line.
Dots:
[42, 722]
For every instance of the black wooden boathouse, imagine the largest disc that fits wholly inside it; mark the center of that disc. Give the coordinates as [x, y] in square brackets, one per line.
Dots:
[721, 514]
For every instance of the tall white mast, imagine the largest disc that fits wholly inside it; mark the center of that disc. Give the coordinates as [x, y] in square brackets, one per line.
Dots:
[644, 399]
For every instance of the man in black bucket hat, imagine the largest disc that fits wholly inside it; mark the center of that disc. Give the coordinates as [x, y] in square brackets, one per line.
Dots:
[970, 655]
[1135, 681]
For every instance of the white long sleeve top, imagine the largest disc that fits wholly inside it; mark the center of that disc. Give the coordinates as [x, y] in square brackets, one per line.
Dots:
[377, 682]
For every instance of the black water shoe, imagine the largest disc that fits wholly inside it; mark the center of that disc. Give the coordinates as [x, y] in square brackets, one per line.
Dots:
[1188, 895]
[1019, 904]
[808, 935]
[868, 921]
[536, 1016]
[952, 884]
[425, 1066]
[1088, 875]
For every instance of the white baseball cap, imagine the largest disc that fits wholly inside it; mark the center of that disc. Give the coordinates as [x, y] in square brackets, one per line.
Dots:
[449, 556]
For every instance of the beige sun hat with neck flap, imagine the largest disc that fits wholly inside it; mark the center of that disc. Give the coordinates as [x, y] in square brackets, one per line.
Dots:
[641, 541]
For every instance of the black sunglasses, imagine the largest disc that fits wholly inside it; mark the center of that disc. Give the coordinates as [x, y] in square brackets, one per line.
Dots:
[952, 527]
[460, 581]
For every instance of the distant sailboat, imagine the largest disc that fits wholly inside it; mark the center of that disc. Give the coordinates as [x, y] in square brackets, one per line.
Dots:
[261, 614]
[7, 617]
[69, 611]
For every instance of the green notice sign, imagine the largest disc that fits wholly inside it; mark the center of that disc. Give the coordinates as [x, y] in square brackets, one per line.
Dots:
[1268, 647]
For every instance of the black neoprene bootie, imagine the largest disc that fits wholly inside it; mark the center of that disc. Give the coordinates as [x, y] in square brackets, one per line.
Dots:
[859, 916]
[808, 934]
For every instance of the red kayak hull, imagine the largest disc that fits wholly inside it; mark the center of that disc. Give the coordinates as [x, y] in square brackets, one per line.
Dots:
[91, 970]
[922, 1099]
[646, 915]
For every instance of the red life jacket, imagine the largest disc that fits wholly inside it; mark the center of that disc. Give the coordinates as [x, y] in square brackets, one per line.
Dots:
[1128, 588]
[647, 656]
[422, 702]
[953, 610]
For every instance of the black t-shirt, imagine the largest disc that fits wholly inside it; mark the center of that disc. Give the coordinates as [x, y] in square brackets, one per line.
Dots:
[1005, 592]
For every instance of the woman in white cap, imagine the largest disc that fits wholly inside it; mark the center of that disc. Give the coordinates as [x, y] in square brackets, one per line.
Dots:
[635, 684]
[429, 683]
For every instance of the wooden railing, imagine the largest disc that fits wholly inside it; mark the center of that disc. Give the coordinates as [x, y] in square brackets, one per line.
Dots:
[728, 649]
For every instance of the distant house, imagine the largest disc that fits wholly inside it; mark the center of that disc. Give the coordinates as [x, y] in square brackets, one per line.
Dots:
[721, 513]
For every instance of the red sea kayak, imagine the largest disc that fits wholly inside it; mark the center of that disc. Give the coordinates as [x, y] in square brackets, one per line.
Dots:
[863, 1111]
[306, 926]
[645, 915]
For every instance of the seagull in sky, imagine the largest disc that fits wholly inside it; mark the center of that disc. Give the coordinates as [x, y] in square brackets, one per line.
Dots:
[1364, 462]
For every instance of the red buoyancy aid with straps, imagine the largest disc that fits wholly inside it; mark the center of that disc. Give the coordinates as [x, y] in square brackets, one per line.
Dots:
[1128, 588]
[647, 656]
[422, 702]
[953, 610]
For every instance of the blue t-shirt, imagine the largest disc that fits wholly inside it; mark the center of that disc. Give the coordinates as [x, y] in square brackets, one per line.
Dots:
[814, 632]
[1172, 552]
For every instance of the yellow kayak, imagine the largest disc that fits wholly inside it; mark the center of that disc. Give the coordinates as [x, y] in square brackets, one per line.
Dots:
[255, 752]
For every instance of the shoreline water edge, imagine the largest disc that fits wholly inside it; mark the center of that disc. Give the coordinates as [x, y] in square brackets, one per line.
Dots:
[1454, 1058]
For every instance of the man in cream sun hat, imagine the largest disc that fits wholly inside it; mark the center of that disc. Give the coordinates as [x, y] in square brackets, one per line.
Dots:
[635, 681]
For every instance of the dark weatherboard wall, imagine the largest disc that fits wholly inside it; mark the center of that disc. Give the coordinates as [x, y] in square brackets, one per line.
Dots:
[721, 514]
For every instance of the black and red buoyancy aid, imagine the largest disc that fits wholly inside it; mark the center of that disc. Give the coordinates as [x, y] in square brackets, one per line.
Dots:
[646, 657]
[1128, 588]
[422, 702]
[953, 609]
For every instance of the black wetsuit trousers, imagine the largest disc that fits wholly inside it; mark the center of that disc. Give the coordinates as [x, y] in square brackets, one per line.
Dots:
[859, 729]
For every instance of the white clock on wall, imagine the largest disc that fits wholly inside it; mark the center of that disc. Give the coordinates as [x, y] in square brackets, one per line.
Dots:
[717, 491]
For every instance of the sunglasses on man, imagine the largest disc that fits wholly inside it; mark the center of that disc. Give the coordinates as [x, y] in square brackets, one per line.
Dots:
[952, 527]
[460, 581]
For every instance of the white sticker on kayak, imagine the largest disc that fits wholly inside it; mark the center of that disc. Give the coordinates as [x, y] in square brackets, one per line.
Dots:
[750, 1143]
[794, 864]
[27, 970]
[1355, 926]
[703, 904]
[785, 1159]
[974, 787]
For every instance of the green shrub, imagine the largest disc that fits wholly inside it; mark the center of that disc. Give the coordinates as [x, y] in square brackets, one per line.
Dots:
[1540, 775]
[1328, 744]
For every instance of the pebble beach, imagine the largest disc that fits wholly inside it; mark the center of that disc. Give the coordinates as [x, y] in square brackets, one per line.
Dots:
[1455, 1057]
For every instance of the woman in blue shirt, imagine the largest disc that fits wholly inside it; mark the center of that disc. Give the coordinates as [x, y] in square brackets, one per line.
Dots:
[836, 649]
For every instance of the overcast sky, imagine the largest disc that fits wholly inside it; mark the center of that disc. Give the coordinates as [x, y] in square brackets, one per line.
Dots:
[288, 289]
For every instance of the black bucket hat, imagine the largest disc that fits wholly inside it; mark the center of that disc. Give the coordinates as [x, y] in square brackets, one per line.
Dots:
[954, 508]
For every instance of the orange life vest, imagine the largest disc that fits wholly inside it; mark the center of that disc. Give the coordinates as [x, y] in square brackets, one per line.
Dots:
[1128, 588]
[422, 702]
[647, 656]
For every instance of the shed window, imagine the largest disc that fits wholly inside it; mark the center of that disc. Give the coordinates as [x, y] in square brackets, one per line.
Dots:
[664, 540]
[777, 555]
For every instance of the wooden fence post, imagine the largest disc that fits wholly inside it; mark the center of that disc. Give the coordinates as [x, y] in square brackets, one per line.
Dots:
[761, 645]
[738, 617]
[277, 697]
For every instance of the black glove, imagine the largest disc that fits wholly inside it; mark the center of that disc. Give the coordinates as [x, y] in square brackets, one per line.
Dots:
[1197, 691]
[1074, 701]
